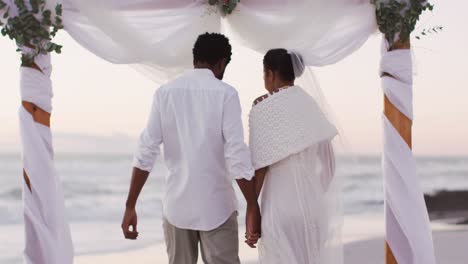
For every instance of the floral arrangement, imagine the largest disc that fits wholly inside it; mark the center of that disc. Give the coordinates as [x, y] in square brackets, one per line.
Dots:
[398, 18]
[31, 25]
[226, 6]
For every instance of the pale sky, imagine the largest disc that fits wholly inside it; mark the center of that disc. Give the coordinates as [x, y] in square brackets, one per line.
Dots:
[103, 107]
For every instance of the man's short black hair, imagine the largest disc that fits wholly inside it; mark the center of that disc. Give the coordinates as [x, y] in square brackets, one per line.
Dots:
[211, 48]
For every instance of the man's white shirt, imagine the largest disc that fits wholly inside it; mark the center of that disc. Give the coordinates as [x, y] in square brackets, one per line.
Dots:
[198, 120]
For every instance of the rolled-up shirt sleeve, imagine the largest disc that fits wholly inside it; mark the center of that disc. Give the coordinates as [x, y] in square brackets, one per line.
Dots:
[148, 147]
[236, 152]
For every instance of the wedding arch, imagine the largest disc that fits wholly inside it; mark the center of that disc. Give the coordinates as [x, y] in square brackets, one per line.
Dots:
[156, 35]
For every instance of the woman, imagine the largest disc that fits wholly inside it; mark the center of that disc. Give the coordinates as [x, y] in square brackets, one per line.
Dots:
[290, 140]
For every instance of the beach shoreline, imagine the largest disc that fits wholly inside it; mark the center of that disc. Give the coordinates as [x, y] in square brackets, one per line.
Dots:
[95, 205]
[363, 239]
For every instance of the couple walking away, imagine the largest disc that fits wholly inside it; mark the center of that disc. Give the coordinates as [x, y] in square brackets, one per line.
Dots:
[290, 162]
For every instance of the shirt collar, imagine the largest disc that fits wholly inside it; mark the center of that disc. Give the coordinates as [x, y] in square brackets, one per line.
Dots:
[205, 72]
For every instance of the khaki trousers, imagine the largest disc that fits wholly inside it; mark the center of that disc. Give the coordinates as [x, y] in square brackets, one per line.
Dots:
[218, 246]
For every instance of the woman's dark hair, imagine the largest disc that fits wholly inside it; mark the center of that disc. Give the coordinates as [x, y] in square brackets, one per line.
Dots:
[280, 61]
[211, 48]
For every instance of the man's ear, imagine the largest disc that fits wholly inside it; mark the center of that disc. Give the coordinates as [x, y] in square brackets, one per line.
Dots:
[222, 64]
[215, 67]
[225, 62]
[274, 75]
[269, 74]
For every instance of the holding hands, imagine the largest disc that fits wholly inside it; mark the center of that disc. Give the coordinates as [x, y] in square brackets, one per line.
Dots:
[253, 222]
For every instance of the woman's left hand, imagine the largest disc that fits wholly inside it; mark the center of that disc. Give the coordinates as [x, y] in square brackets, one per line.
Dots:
[253, 225]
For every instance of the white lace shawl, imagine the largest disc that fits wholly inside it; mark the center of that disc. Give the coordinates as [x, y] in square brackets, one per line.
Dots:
[286, 123]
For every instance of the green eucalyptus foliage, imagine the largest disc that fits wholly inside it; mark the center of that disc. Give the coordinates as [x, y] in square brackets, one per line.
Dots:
[397, 18]
[227, 6]
[34, 27]
[428, 31]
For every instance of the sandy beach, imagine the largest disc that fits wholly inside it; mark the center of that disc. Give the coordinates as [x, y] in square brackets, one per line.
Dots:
[362, 237]
[95, 208]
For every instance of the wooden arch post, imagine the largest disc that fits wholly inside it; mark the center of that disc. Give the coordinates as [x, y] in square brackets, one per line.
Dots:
[39, 116]
[47, 233]
[404, 127]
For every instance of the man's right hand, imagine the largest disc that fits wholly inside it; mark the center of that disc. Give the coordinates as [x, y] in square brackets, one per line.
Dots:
[253, 221]
[130, 219]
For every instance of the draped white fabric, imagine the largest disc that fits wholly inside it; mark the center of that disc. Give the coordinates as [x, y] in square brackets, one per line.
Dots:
[159, 35]
[156, 35]
[48, 239]
[408, 229]
[322, 31]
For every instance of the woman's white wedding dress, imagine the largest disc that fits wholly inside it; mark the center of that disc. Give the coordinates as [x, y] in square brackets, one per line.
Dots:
[290, 134]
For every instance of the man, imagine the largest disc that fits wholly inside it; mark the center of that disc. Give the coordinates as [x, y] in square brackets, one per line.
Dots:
[197, 118]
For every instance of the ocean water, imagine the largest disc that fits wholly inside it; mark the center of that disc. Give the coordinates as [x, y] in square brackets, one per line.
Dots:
[96, 186]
